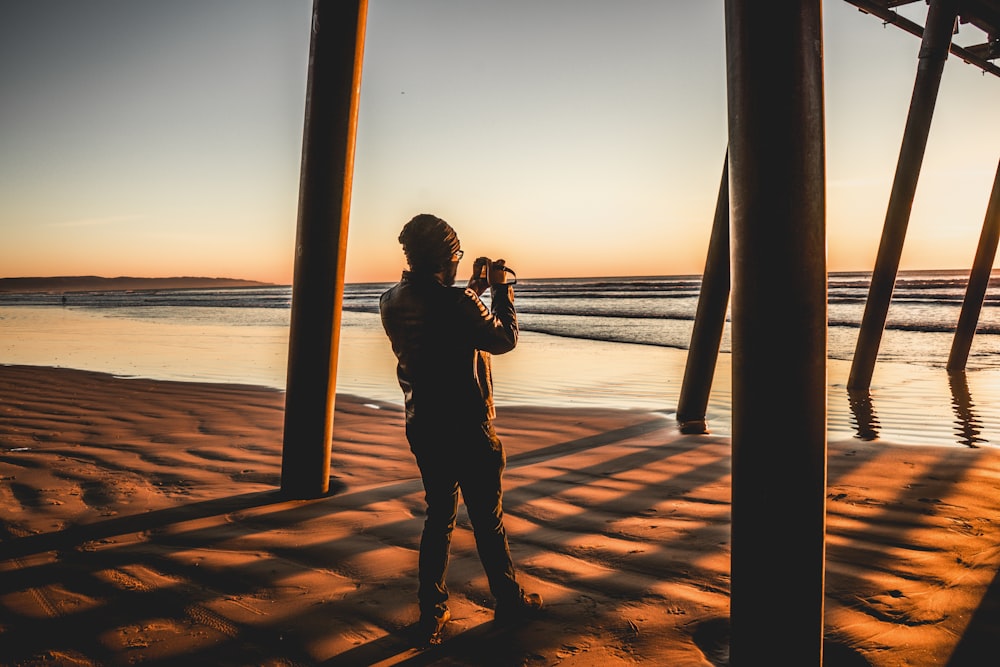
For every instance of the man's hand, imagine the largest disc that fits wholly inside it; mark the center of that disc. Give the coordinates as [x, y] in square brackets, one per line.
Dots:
[479, 280]
[486, 273]
[498, 273]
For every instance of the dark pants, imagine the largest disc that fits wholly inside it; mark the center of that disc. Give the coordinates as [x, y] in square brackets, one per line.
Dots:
[469, 458]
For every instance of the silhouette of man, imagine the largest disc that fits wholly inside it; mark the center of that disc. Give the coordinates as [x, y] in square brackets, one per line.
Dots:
[443, 337]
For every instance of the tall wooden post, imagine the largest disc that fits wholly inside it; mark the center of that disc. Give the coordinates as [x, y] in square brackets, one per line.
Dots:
[934, 47]
[779, 318]
[331, 115]
[709, 320]
[979, 279]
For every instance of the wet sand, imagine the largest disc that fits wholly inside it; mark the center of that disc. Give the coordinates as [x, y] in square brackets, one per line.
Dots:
[142, 522]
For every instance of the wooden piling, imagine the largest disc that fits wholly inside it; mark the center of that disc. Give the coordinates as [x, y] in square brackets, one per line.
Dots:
[934, 48]
[979, 279]
[709, 320]
[778, 323]
[331, 116]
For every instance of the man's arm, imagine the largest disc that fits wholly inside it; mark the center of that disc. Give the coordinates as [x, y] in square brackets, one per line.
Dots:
[493, 331]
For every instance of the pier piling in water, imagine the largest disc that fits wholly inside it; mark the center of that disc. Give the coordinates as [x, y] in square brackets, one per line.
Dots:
[934, 49]
[979, 279]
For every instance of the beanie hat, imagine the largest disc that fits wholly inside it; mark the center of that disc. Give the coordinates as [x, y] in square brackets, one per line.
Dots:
[428, 242]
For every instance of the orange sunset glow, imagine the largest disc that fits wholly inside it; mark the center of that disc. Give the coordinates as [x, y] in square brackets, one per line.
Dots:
[160, 140]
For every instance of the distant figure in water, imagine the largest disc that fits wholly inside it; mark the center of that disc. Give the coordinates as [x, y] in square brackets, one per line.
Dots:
[443, 337]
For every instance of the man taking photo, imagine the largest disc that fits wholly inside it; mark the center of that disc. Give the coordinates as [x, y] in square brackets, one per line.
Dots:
[443, 337]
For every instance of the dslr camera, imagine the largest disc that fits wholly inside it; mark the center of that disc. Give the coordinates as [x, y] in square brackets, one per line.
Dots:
[493, 273]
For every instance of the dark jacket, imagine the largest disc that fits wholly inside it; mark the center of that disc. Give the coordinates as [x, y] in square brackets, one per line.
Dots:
[443, 338]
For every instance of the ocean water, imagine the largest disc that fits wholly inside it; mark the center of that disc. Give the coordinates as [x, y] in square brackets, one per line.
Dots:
[656, 311]
[609, 342]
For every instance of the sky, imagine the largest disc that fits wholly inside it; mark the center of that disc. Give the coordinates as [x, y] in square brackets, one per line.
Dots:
[570, 137]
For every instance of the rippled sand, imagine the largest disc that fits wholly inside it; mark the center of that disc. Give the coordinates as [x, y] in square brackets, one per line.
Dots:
[142, 523]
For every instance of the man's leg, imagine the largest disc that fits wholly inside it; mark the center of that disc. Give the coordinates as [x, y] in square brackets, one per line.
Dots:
[435, 543]
[483, 495]
[441, 498]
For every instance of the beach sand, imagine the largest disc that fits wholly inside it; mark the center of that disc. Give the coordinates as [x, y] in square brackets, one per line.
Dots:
[142, 523]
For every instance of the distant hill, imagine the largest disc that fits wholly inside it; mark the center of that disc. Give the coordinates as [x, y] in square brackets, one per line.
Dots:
[59, 284]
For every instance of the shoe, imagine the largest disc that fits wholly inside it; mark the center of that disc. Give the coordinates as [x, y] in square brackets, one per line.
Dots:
[429, 627]
[524, 608]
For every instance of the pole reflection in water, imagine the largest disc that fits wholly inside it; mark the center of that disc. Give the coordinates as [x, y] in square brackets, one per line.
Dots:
[865, 419]
[967, 424]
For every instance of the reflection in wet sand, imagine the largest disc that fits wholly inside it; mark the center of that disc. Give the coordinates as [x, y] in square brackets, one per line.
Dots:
[865, 419]
[967, 423]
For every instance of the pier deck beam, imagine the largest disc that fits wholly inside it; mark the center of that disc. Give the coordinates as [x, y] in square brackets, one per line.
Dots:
[331, 117]
[979, 279]
[778, 323]
[709, 320]
[934, 47]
